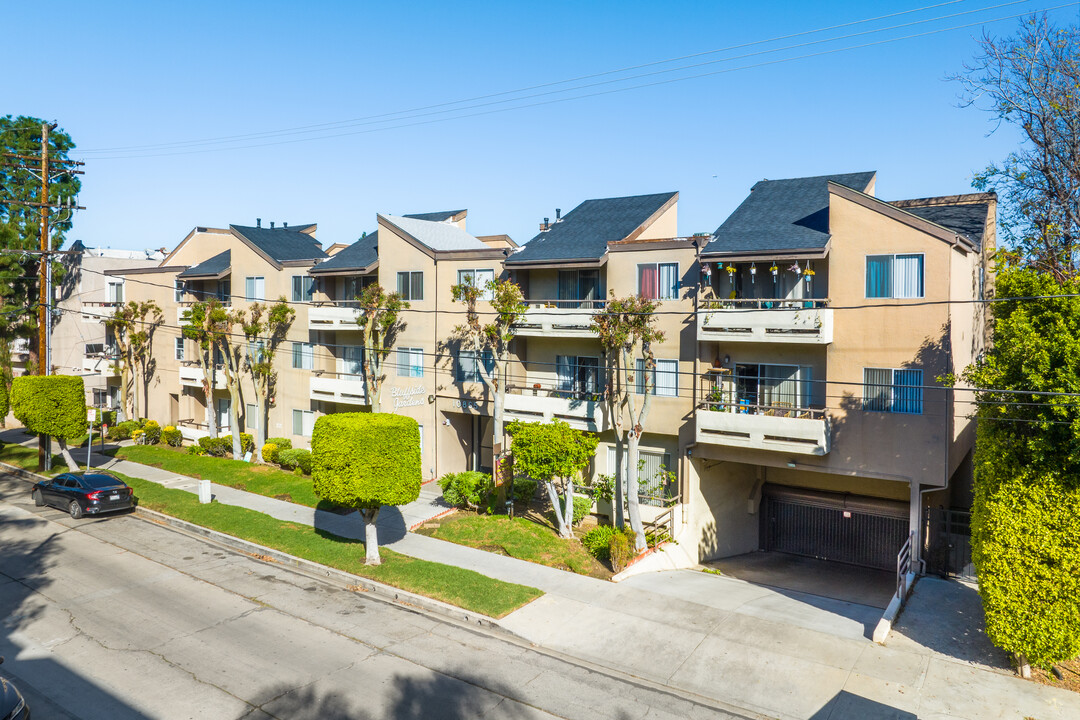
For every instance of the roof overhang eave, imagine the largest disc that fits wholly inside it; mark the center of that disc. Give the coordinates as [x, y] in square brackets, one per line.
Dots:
[549, 264]
[337, 272]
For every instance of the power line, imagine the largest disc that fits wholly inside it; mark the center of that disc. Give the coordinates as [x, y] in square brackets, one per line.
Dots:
[587, 95]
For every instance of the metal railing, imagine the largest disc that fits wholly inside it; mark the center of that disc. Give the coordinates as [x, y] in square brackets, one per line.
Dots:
[715, 303]
[192, 423]
[903, 565]
[663, 525]
[552, 391]
[788, 410]
[565, 304]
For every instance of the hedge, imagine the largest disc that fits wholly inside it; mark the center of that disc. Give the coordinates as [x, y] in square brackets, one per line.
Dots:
[53, 405]
[295, 459]
[469, 489]
[366, 460]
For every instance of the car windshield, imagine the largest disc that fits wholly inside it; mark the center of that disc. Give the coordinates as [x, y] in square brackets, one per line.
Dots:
[100, 481]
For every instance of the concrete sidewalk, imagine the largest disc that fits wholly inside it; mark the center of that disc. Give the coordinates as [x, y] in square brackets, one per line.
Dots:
[781, 653]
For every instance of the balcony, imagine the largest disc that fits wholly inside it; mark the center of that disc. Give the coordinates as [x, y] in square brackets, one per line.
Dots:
[192, 431]
[192, 376]
[802, 431]
[333, 317]
[95, 312]
[558, 318]
[766, 321]
[536, 404]
[99, 364]
[338, 388]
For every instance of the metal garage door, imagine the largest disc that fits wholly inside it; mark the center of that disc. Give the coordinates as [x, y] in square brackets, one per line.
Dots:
[841, 527]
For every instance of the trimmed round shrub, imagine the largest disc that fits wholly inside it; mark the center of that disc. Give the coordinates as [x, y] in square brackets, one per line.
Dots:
[152, 432]
[247, 443]
[269, 452]
[469, 489]
[282, 443]
[366, 460]
[172, 436]
[582, 507]
[50, 404]
[524, 489]
[295, 459]
[137, 435]
[122, 431]
[216, 447]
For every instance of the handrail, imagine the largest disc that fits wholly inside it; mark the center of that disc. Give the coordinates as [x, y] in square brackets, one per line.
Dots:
[802, 413]
[903, 565]
[191, 423]
[763, 303]
[541, 390]
[565, 303]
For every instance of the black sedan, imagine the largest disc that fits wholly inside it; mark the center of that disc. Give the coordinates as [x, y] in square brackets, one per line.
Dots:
[88, 493]
[12, 705]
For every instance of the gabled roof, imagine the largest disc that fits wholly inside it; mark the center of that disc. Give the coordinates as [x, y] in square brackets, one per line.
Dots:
[436, 236]
[215, 267]
[282, 244]
[783, 215]
[438, 216]
[585, 231]
[966, 218]
[358, 257]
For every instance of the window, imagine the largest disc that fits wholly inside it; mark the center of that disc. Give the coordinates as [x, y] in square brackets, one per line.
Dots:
[101, 398]
[223, 413]
[302, 288]
[303, 422]
[478, 278]
[468, 369]
[353, 288]
[577, 287]
[888, 390]
[303, 356]
[254, 288]
[224, 291]
[179, 346]
[251, 416]
[653, 488]
[664, 381]
[577, 374]
[659, 281]
[410, 362]
[772, 388]
[894, 276]
[178, 290]
[116, 292]
[255, 350]
[351, 361]
[410, 285]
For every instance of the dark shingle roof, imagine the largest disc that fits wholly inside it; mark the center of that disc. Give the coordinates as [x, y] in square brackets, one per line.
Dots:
[209, 268]
[282, 244]
[358, 256]
[968, 219]
[781, 215]
[584, 232]
[435, 216]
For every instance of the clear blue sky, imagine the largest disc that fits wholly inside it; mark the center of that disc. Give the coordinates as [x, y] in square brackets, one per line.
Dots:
[146, 73]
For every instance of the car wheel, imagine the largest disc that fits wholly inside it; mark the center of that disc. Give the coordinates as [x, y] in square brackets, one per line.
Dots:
[75, 509]
[38, 500]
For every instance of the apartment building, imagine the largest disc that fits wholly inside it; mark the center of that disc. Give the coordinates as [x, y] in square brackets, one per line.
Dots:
[825, 320]
[796, 393]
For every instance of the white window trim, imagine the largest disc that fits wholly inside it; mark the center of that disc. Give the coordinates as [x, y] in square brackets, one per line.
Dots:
[178, 348]
[257, 294]
[659, 295]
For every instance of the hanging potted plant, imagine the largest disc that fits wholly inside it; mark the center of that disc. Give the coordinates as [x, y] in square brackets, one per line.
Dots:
[730, 270]
[774, 269]
[808, 273]
[795, 268]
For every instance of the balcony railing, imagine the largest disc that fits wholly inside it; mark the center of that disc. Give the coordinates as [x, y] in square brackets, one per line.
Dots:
[334, 315]
[561, 318]
[93, 312]
[774, 320]
[344, 388]
[192, 375]
[192, 430]
[582, 410]
[781, 426]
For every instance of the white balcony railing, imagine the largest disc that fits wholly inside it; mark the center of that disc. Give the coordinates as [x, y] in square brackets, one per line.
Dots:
[192, 376]
[99, 365]
[338, 388]
[95, 312]
[559, 318]
[766, 321]
[333, 317]
[579, 410]
[791, 430]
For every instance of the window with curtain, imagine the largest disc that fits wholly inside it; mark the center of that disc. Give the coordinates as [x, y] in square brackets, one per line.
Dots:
[116, 292]
[223, 413]
[468, 369]
[568, 288]
[564, 371]
[352, 360]
[303, 422]
[664, 380]
[648, 282]
[303, 287]
[778, 386]
[577, 374]
[894, 276]
[179, 347]
[178, 290]
[410, 362]
[224, 291]
[255, 350]
[651, 488]
[303, 356]
[254, 288]
[410, 285]
[889, 390]
[658, 281]
[479, 278]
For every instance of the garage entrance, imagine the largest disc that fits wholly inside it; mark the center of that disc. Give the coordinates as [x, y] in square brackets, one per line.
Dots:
[841, 527]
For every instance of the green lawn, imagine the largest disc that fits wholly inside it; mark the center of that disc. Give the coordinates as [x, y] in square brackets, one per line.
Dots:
[265, 480]
[520, 538]
[27, 458]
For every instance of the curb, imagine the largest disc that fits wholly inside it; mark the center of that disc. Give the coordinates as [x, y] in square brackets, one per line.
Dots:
[385, 592]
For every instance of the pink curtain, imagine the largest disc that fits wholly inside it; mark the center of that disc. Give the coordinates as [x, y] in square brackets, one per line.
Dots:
[647, 281]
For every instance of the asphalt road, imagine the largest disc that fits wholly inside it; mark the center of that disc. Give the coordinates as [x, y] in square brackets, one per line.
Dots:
[120, 618]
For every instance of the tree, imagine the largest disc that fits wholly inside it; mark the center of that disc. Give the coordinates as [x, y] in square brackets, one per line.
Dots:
[1032, 82]
[1026, 515]
[366, 461]
[555, 454]
[625, 327]
[53, 405]
[20, 224]
[265, 328]
[201, 325]
[6, 377]
[491, 339]
[132, 326]
[224, 321]
[379, 326]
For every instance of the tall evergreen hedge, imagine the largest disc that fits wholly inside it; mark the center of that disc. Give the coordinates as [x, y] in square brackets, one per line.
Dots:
[366, 460]
[52, 405]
